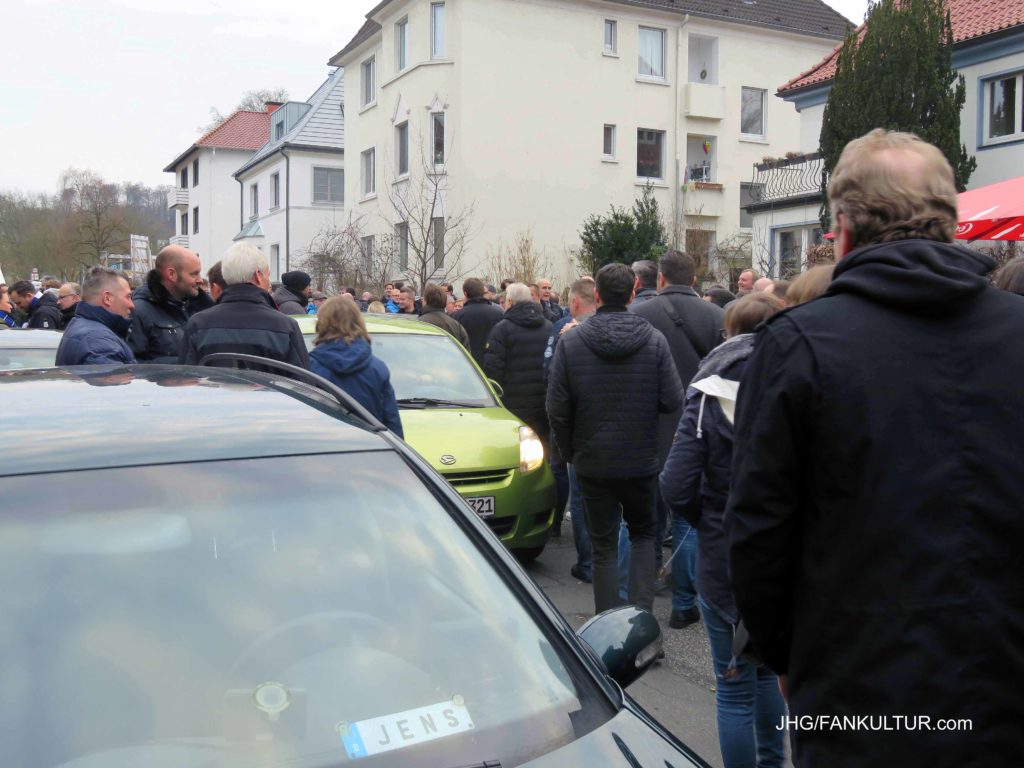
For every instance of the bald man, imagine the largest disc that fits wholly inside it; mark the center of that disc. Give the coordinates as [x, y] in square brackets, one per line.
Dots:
[171, 294]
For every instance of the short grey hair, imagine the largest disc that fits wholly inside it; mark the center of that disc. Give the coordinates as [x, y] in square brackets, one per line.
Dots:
[74, 289]
[241, 261]
[99, 279]
[646, 272]
[518, 293]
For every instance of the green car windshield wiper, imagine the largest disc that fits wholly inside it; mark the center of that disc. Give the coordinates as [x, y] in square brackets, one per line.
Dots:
[427, 402]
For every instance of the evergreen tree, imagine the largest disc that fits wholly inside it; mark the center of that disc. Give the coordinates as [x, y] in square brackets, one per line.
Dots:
[623, 235]
[898, 76]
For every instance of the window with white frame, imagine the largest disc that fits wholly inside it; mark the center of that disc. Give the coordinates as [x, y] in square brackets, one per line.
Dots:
[184, 177]
[279, 130]
[437, 136]
[402, 149]
[367, 248]
[1004, 108]
[752, 112]
[254, 200]
[608, 146]
[369, 169]
[275, 189]
[195, 172]
[437, 31]
[611, 36]
[651, 53]
[401, 45]
[402, 238]
[184, 224]
[329, 185]
[437, 239]
[369, 74]
[650, 154]
[195, 220]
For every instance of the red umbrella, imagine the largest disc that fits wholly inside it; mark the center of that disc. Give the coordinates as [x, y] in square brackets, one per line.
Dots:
[995, 212]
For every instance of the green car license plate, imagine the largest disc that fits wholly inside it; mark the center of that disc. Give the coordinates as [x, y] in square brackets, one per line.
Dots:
[482, 505]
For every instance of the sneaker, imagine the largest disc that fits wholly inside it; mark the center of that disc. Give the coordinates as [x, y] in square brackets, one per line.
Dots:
[683, 619]
[579, 573]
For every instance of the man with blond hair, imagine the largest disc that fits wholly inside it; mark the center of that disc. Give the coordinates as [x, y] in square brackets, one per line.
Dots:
[245, 318]
[874, 521]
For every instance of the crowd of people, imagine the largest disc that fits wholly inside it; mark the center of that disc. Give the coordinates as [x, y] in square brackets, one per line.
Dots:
[836, 460]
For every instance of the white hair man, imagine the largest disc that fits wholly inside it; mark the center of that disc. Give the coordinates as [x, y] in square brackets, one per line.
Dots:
[96, 334]
[245, 319]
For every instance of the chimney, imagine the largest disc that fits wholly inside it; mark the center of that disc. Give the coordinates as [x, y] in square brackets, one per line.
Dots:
[273, 106]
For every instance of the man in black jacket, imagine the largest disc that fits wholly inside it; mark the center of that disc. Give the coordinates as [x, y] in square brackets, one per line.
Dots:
[171, 294]
[42, 312]
[878, 478]
[609, 379]
[294, 293]
[478, 316]
[245, 319]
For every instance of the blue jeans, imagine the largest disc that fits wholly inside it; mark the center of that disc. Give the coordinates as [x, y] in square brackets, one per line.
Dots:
[579, 524]
[684, 558]
[750, 706]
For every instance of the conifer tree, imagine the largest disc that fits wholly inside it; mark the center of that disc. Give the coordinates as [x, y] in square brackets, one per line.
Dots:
[899, 76]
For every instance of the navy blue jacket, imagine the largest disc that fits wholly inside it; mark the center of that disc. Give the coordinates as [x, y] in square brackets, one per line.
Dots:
[95, 337]
[45, 313]
[367, 378]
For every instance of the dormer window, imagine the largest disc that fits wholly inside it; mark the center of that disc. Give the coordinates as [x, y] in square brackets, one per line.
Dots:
[279, 130]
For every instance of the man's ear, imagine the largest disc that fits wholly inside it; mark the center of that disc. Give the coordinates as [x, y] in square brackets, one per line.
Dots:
[662, 282]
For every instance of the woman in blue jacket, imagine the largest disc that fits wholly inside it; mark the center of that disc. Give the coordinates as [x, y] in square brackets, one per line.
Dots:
[695, 485]
[343, 356]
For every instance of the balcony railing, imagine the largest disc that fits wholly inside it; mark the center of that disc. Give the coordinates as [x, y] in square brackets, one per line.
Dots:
[177, 199]
[788, 178]
[181, 240]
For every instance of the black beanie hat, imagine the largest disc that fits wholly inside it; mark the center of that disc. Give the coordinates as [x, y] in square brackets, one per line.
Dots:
[296, 281]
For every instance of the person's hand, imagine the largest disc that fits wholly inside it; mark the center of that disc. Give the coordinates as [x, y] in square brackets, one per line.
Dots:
[567, 326]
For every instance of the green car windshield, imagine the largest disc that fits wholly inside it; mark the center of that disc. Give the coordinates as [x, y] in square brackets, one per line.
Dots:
[430, 368]
[301, 611]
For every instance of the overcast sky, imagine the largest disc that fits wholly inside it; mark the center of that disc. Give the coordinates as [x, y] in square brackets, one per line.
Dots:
[121, 86]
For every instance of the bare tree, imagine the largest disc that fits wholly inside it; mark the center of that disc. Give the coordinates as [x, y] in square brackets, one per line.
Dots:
[97, 214]
[251, 101]
[518, 261]
[346, 256]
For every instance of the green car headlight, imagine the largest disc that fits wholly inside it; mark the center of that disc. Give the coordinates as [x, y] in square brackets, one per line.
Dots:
[531, 450]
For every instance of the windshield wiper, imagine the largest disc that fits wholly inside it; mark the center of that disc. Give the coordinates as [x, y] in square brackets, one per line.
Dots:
[484, 764]
[428, 402]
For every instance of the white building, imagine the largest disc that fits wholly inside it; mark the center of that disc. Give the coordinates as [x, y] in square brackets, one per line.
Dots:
[988, 50]
[205, 193]
[293, 187]
[539, 113]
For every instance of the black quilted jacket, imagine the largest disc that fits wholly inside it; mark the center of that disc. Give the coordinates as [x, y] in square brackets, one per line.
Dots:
[609, 380]
[514, 358]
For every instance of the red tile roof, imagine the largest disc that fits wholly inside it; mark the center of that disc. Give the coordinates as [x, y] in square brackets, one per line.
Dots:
[242, 130]
[969, 18]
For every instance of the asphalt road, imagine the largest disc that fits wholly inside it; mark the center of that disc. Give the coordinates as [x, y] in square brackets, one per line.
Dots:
[680, 689]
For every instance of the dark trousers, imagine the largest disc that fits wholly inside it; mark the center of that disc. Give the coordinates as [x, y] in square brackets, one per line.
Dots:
[608, 501]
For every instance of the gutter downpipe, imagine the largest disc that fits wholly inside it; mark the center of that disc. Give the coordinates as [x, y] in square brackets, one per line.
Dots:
[287, 209]
[677, 194]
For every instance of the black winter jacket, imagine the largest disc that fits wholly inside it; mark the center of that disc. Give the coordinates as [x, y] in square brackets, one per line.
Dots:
[244, 320]
[609, 379]
[515, 359]
[478, 317]
[695, 330]
[95, 337]
[45, 313]
[158, 321]
[441, 319]
[875, 521]
[289, 302]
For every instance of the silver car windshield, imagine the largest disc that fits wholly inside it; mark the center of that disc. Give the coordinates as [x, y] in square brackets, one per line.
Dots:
[297, 611]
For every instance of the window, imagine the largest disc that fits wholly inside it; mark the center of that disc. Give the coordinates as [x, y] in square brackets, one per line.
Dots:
[752, 112]
[195, 220]
[184, 224]
[702, 65]
[367, 248]
[254, 201]
[789, 253]
[650, 154]
[369, 72]
[402, 149]
[275, 188]
[609, 142]
[369, 168]
[611, 36]
[1005, 108]
[749, 194]
[275, 261]
[437, 30]
[329, 185]
[279, 130]
[401, 45]
[651, 53]
[437, 239]
[437, 139]
[184, 177]
[195, 172]
[402, 237]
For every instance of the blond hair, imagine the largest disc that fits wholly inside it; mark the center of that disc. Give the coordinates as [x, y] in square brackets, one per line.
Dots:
[809, 285]
[748, 312]
[893, 186]
[339, 319]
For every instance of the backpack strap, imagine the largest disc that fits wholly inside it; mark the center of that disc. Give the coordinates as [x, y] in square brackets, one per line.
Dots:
[673, 315]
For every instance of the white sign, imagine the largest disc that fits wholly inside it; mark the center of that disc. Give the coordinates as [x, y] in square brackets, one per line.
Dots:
[405, 729]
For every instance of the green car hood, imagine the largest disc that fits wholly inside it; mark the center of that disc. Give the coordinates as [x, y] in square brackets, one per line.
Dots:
[478, 438]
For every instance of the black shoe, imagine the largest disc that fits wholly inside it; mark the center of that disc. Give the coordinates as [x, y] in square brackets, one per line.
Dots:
[579, 573]
[683, 619]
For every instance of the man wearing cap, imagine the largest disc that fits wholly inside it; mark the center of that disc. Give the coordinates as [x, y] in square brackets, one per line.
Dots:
[294, 293]
[316, 300]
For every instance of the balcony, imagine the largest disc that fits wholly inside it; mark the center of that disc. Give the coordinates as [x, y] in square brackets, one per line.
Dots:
[794, 179]
[181, 240]
[704, 101]
[177, 199]
[703, 199]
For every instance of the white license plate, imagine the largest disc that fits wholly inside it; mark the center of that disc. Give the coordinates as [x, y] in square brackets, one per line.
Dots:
[405, 729]
[482, 505]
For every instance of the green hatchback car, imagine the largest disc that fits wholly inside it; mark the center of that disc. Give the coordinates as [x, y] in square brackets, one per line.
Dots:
[453, 417]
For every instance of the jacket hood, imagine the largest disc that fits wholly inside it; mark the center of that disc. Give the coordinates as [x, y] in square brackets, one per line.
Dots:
[341, 358]
[46, 300]
[722, 360]
[284, 294]
[921, 276]
[116, 323]
[152, 290]
[615, 334]
[526, 315]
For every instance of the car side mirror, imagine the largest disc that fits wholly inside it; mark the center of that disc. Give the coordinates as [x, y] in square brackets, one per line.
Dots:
[497, 387]
[626, 640]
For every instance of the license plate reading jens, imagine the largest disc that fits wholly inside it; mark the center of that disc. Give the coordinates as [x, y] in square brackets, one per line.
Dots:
[482, 505]
[405, 729]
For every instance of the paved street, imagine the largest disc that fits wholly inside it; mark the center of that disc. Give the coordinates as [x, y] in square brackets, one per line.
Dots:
[679, 690]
